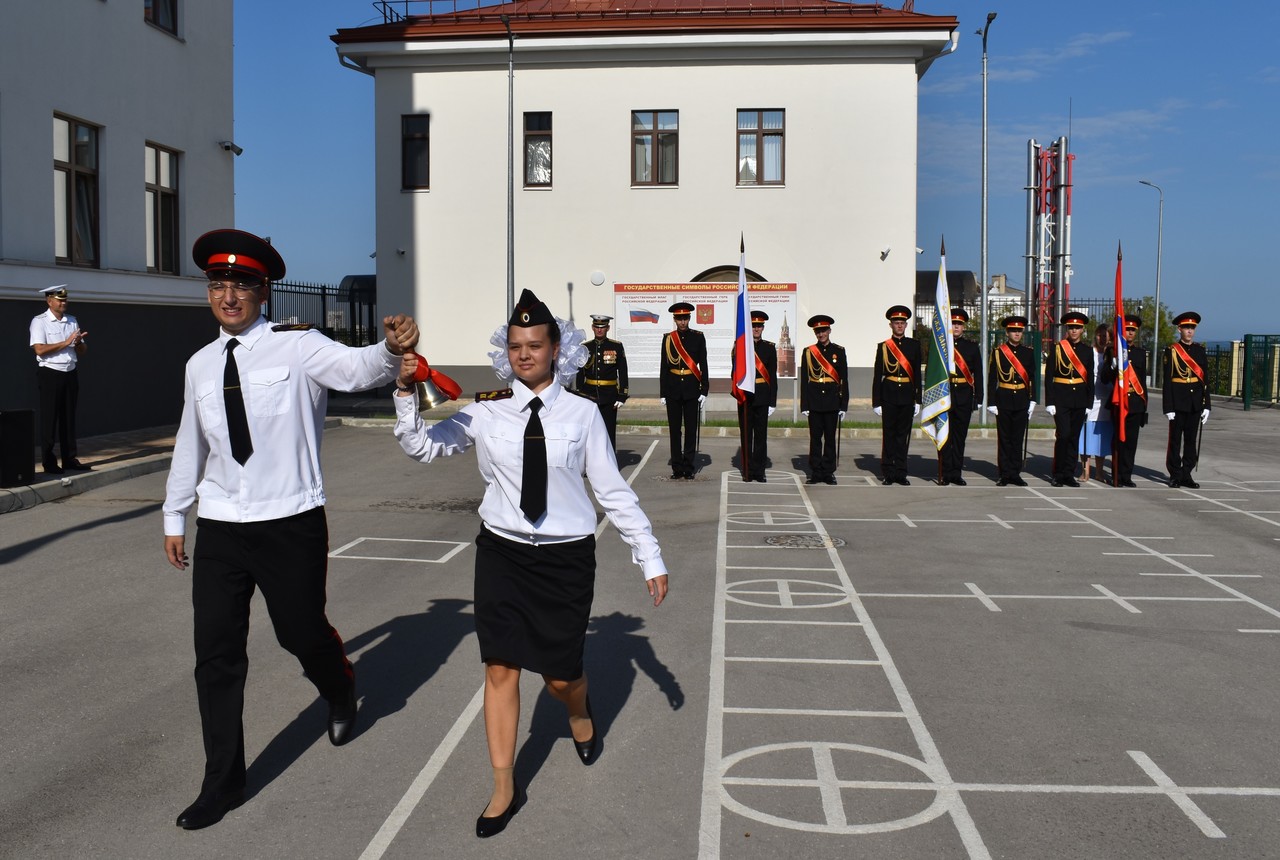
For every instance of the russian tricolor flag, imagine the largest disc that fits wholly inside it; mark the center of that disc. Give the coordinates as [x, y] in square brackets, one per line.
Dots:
[644, 316]
[744, 346]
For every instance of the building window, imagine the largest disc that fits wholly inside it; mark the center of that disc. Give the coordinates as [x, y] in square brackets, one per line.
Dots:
[415, 151]
[162, 210]
[760, 146]
[537, 148]
[655, 145]
[162, 13]
[75, 192]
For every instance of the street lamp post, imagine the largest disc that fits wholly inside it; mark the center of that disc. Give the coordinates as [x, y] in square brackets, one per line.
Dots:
[982, 275]
[1155, 333]
[511, 180]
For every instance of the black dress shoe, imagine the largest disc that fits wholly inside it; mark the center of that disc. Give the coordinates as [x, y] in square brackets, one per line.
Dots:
[55, 469]
[342, 719]
[76, 465]
[1003, 482]
[1174, 483]
[1017, 481]
[762, 479]
[813, 479]
[1128, 484]
[486, 827]
[1071, 482]
[1190, 483]
[886, 481]
[1056, 482]
[960, 482]
[587, 750]
[208, 809]
[829, 479]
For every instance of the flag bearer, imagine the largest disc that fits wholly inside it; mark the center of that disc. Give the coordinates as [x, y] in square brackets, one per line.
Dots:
[896, 394]
[1009, 381]
[966, 396]
[1068, 395]
[1185, 399]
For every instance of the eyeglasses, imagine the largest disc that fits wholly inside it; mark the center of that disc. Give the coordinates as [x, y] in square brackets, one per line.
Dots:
[243, 290]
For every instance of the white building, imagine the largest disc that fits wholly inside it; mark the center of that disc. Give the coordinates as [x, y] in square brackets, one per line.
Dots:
[647, 136]
[112, 118]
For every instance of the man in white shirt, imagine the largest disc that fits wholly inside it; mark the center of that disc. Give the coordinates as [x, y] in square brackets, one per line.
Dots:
[248, 449]
[59, 344]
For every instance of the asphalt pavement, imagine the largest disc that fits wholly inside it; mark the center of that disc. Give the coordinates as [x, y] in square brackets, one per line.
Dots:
[847, 671]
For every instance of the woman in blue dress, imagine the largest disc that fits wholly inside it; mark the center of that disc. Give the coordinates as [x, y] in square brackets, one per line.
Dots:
[1095, 436]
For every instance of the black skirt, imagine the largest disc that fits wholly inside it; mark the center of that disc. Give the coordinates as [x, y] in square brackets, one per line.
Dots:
[532, 603]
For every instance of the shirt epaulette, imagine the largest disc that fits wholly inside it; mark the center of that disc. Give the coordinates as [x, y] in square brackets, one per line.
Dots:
[293, 327]
[499, 394]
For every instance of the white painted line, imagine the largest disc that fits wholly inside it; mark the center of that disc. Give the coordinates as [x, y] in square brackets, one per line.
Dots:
[1258, 630]
[1120, 600]
[823, 661]
[808, 569]
[1232, 575]
[828, 786]
[999, 521]
[631, 479]
[813, 712]
[907, 521]
[1202, 497]
[1118, 537]
[457, 548]
[789, 621]
[1179, 797]
[1163, 554]
[387, 832]
[986, 601]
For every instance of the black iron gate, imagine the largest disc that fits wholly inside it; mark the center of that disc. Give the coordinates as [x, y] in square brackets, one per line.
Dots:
[347, 312]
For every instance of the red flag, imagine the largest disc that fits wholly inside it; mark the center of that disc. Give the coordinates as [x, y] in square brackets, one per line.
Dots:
[1120, 396]
[744, 348]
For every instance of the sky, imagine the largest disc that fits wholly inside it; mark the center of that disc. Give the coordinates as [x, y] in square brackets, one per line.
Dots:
[1183, 94]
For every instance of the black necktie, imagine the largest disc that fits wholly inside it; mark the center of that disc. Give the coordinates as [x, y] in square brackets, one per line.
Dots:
[533, 484]
[233, 401]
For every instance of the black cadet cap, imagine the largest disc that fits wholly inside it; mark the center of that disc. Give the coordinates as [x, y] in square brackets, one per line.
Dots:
[530, 311]
[1132, 321]
[1074, 318]
[898, 312]
[1014, 323]
[758, 317]
[959, 315]
[235, 252]
[681, 309]
[818, 321]
[1190, 318]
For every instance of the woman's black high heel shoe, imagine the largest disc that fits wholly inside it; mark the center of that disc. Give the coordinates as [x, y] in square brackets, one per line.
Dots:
[486, 827]
[587, 750]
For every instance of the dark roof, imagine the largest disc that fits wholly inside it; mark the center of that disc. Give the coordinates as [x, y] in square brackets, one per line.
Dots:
[442, 19]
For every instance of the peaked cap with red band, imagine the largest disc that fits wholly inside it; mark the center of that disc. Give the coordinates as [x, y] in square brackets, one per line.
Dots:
[1190, 318]
[758, 317]
[898, 312]
[236, 252]
[959, 315]
[1014, 323]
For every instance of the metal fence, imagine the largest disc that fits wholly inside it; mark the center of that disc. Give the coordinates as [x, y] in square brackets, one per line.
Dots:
[345, 312]
[1259, 369]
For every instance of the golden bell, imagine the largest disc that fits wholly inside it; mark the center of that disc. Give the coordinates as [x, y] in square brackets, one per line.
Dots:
[429, 396]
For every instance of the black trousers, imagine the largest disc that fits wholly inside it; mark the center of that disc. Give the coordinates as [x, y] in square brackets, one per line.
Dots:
[1124, 453]
[1011, 435]
[1067, 425]
[822, 443]
[682, 424]
[895, 431]
[287, 558]
[951, 457]
[1183, 452]
[59, 391]
[757, 438]
[606, 396]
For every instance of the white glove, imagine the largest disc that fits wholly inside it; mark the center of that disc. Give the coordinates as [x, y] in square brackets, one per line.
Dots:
[994, 410]
[1204, 416]
[617, 404]
[771, 408]
[662, 400]
[840, 416]
[1052, 410]
[701, 399]
[878, 411]
[915, 409]
[1169, 415]
[805, 413]
[1031, 408]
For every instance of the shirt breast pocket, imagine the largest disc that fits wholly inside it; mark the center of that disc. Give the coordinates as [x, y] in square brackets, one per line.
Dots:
[267, 391]
[504, 445]
[209, 405]
[564, 445]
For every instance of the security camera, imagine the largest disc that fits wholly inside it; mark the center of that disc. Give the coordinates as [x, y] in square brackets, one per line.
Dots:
[884, 255]
[229, 146]
[919, 250]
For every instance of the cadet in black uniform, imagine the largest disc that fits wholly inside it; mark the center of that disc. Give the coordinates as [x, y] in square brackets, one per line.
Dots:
[1068, 395]
[1122, 454]
[683, 387]
[896, 393]
[604, 377]
[760, 405]
[1009, 380]
[1185, 399]
[966, 396]
[824, 398]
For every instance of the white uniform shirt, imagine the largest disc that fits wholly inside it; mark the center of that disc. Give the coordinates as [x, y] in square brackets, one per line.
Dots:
[577, 443]
[285, 379]
[47, 328]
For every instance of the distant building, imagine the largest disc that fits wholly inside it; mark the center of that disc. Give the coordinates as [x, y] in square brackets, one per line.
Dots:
[648, 136]
[115, 153]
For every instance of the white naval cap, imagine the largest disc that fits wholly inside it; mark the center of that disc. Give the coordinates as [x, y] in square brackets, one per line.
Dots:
[57, 290]
[601, 319]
